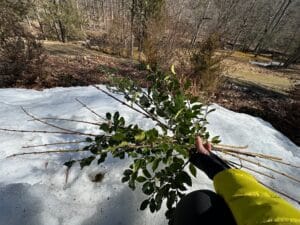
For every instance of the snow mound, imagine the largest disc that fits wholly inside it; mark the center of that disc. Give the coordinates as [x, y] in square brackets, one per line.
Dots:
[33, 189]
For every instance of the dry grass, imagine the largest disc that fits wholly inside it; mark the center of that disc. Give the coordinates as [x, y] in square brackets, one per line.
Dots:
[238, 67]
[237, 64]
[68, 49]
[246, 57]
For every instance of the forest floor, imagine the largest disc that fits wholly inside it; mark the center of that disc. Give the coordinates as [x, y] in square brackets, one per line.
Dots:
[248, 88]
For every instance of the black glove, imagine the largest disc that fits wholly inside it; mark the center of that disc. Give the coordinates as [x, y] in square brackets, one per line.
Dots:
[210, 164]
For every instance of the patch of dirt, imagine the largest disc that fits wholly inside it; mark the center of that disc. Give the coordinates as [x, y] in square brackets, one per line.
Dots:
[278, 109]
[70, 64]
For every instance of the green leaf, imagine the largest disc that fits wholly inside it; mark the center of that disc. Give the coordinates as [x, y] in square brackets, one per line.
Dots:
[131, 184]
[159, 197]
[152, 134]
[175, 166]
[125, 179]
[86, 161]
[193, 170]
[216, 140]
[121, 121]
[181, 150]
[88, 139]
[116, 117]
[134, 175]
[178, 113]
[148, 188]
[108, 116]
[155, 164]
[183, 177]
[123, 144]
[152, 205]
[170, 213]
[144, 101]
[127, 172]
[165, 190]
[104, 127]
[141, 179]
[171, 199]
[139, 163]
[140, 137]
[144, 204]
[118, 137]
[146, 173]
[102, 158]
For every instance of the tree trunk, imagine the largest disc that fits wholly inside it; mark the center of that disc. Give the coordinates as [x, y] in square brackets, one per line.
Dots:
[194, 38]
[273, 24]
[133, 9]
[244, 25]
[62, 31]
[293, 58]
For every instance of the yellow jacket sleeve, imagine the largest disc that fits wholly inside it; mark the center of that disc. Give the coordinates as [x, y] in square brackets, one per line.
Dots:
[252, 203]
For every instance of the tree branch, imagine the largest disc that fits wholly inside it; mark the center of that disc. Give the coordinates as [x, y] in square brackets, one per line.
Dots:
[135, 109]
[47, 152]
[54, 126]
[57, 143]
[89, 109]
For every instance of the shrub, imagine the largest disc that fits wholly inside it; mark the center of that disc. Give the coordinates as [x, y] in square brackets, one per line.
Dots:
[20, 54]
[206, 67]
[159, 156]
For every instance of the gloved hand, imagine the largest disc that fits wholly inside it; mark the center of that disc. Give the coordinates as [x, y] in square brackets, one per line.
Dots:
[205, 160]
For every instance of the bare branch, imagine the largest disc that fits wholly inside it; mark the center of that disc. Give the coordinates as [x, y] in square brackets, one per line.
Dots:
[36, 131]
[251, 169]
[71, 120]
[233, 149]
[55, 126]
[251, 154]
[48, 152]
[134, 109]
[89, 109]
[263, 166]
[231, 146]
[57, 143]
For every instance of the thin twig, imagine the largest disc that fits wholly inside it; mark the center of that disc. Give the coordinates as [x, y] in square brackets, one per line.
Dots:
[280, 192]
[71, 120]
[37, 131]
[285, 163]
[231, 146]
[57, 143]
[55, 126]
[266, 167]
[48, 152]
[153, 117]
[131, 107]
[252, 154]
[89, 109]
[251, 169]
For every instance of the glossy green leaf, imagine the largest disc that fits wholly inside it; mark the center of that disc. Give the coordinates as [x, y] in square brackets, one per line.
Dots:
[144, 204]
[141, 179]
[155, 164]
[193, 170]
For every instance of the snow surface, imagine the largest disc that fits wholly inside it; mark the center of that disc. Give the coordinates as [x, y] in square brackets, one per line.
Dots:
[33, 189]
